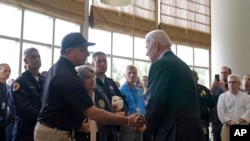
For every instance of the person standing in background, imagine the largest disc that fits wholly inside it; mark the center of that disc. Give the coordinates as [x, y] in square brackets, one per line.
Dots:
[218, 87]
[135, 100]
[172, 108]
[26, 93]
[99, 63]
[4, 75]
[207, 107]
[138, 83]
[245, 84]
[233, 107]
[221, 86]
[144, 81]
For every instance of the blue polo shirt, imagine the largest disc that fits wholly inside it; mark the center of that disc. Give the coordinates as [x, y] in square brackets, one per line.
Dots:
[134, 97]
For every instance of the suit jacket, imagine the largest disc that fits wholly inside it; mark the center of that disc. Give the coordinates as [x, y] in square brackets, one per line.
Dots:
[172, 112]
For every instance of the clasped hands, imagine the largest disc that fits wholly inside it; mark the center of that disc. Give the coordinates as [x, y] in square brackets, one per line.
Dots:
[137, 122]
[231, 122]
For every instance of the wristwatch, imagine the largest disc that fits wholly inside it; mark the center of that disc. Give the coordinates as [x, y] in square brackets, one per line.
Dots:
[237, 122]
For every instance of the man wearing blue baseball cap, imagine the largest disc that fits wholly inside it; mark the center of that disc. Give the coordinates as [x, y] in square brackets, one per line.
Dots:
[65, 100]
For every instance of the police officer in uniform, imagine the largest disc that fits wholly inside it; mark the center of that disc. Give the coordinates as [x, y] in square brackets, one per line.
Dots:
[99, 62]
[4, 75]
[107, 84]
[26, 94]
[207, 107]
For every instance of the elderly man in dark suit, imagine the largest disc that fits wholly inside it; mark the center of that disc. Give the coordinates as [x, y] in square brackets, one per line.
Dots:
[172, 112]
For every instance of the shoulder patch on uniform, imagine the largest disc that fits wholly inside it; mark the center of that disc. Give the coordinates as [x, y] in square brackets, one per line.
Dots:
[203, 93]
[16, 86]
[101, 103]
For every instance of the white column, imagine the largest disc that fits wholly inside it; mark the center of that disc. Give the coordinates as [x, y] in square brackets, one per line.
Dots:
[230, 22]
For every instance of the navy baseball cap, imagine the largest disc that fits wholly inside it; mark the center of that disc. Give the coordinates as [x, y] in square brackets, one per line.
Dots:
[75, 39]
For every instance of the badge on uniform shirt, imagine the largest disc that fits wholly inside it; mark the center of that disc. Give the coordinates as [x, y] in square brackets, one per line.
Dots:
[111, 87]
[101, 103]
[16, 86]
[203, 93]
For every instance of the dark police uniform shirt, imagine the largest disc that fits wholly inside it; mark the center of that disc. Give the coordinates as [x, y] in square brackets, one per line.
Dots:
[26, 94]
[64, 98]
[3, 104]
[3, 110]
[111, 89]
[102, 102]
[206, 101]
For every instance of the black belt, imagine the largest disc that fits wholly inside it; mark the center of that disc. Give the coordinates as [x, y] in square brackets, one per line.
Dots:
[71, 133]
[54, 127]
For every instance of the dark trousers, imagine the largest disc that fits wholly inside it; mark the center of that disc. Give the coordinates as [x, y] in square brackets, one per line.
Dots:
[147, 137]
[205, 128]
[81, 136]
[2, 133]
[217, 135]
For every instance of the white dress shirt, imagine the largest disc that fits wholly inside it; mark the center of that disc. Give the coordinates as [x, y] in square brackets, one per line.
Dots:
[233, 107]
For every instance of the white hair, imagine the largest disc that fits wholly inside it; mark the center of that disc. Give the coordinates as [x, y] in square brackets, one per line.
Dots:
[82, 71]
[160, 36]
[234, 76]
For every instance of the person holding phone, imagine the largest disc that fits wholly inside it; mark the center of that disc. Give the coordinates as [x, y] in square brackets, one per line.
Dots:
[217, 77]
[219, 87]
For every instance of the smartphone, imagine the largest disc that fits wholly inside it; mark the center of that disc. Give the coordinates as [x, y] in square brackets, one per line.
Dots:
[217, 77]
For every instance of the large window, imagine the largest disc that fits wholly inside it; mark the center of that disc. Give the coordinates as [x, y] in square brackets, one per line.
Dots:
[9, 53]
[140, 49]
[10, 24]
[201, 65]
[122, 45]
[37, 27]
[102, 40]
[185, 53]
[38, 30]
[21, 28]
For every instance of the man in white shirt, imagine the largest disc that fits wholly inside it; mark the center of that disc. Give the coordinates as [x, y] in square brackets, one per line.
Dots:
[233, 106]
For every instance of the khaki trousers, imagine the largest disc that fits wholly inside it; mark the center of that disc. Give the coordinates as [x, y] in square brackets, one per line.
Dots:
[225, 133]
[44, 133]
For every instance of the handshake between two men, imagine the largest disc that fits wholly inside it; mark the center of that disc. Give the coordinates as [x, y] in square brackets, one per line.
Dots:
[137, 122]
